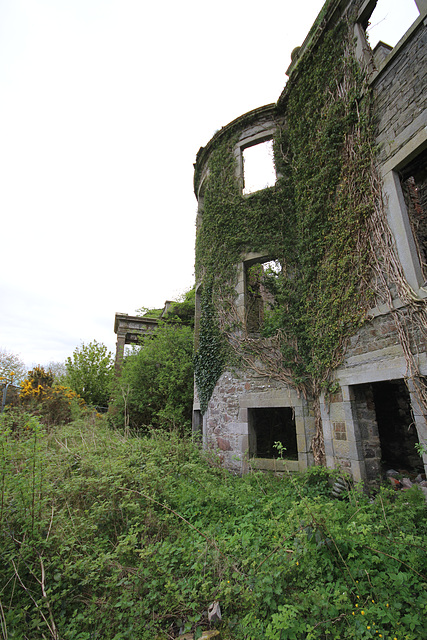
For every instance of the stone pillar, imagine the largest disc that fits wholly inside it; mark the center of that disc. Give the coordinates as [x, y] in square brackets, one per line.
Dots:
[120, 349]
[419, 418]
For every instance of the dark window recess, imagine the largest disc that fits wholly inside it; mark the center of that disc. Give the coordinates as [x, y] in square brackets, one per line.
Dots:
[197, 423]
[270, 425]
[254, 299]
[397, 431]
[414, 187]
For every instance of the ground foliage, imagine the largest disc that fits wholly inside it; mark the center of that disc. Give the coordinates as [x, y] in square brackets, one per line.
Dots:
[314, 221]
[106, 536]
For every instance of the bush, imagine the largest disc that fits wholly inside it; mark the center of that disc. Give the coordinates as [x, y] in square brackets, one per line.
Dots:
[55, 404]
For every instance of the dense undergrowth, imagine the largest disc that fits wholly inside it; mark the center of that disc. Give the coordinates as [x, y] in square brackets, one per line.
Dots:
[112, 537]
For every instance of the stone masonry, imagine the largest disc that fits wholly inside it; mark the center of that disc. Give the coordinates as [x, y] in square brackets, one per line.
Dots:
[358, 438]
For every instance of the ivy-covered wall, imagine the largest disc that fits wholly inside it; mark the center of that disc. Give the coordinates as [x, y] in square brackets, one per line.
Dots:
[318, 222]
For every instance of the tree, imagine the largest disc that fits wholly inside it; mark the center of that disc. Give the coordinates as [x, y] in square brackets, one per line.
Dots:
[57, 369]
[12, 369]
[90, 372]
[155, 387]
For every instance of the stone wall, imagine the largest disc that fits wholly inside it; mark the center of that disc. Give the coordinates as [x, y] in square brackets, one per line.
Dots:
[375, 353]
[400, 93]
[381, 333]
[364, 407]
[226, 420]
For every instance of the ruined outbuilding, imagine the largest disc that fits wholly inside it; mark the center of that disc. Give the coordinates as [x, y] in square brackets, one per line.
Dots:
[132, 329]
[335, 379]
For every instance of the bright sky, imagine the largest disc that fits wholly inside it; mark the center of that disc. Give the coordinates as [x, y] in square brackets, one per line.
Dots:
[103, 107]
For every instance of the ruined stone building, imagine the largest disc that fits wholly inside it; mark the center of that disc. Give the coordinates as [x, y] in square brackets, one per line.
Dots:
[311, 310]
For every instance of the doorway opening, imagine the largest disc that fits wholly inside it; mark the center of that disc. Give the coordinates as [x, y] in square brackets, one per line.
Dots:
[396, 428]
[386, 426]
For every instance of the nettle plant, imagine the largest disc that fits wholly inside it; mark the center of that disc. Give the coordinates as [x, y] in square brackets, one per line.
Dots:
[314, 221]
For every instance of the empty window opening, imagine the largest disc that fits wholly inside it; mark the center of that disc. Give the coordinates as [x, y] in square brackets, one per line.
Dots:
[258, 167]
[261, 291]
[130, 349]
[268, 426]
[397, 432]
[197, 426]
[390, 20]
[414, 186]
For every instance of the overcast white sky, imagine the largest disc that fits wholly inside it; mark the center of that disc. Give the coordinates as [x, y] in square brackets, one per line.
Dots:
[103, 107]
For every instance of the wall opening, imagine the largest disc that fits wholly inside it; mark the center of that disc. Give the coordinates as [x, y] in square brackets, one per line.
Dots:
[261, 291]
[269, 425]
[197, 426]
[389, 21]
[397, 432]
[413, 180]
[258, 167]
[386, 426]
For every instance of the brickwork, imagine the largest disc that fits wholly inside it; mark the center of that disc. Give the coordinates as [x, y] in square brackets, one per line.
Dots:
[381, 333]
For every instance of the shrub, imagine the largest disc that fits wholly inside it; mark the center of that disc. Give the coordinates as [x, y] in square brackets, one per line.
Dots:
[107, 537]
[56, 404]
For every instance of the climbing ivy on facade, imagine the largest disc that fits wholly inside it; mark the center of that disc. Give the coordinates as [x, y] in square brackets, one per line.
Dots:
[314, 221]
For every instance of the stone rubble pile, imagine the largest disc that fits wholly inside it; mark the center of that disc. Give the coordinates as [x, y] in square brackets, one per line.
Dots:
[403, 480]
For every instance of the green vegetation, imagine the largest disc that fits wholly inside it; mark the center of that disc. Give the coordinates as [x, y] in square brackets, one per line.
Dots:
[156, 382]
[210, 355]
[155, 387]
[90, 373]
[51, 402]
[105, 536]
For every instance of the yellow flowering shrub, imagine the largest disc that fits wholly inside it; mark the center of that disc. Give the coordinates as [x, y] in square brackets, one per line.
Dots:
[53, 403]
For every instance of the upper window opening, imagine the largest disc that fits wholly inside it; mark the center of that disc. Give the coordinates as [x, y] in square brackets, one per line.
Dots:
[258, 167]
[413, 180]
[261, 291]
[390, 20]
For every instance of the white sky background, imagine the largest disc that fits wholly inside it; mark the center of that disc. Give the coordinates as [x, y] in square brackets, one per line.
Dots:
[103, 107]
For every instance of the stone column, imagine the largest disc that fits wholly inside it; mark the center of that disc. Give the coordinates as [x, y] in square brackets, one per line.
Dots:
[120, 349]
[419, 418]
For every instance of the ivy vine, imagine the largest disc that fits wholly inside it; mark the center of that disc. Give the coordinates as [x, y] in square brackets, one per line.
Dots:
[210, 356]
[314, 221]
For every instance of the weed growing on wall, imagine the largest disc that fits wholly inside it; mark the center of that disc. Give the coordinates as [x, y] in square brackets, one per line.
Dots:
[210, 355]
